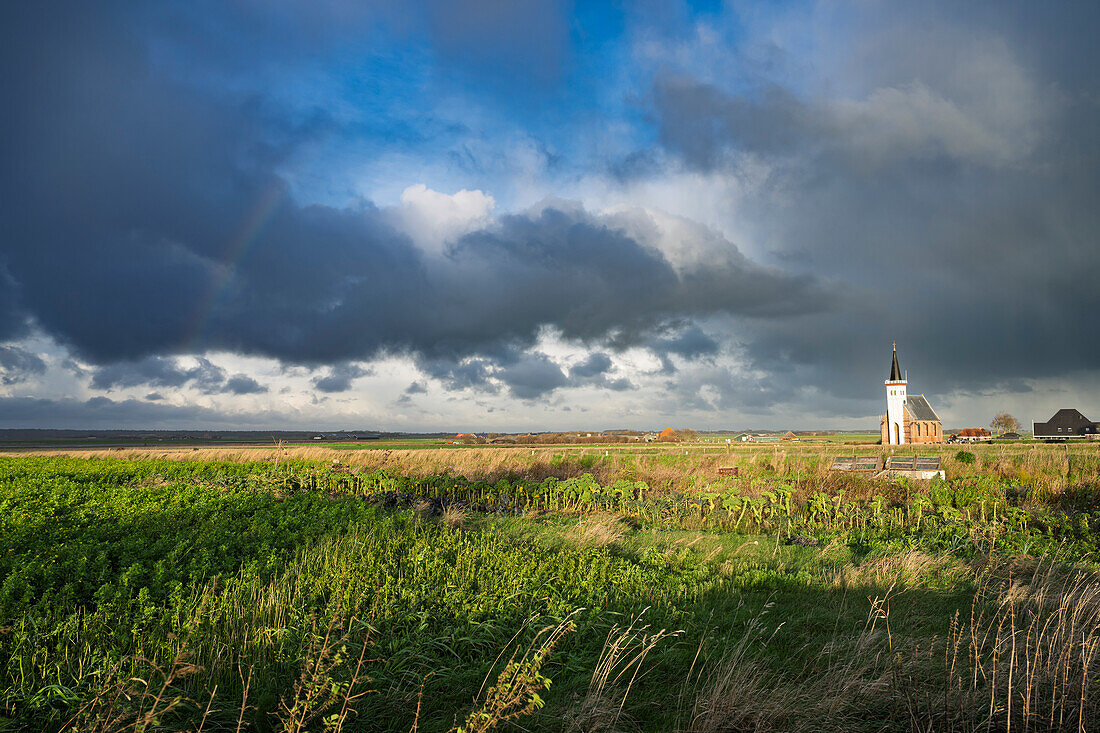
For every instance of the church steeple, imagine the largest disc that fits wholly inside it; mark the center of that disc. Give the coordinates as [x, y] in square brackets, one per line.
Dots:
[895, 371]
[895, 404]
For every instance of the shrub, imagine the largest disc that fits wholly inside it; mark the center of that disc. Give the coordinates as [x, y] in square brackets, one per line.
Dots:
[965, 457]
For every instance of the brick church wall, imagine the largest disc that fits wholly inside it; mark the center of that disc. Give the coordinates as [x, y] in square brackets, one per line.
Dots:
[923, 431]
[930, 431]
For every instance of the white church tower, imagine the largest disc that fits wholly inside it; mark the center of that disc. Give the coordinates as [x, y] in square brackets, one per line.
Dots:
[895, 404]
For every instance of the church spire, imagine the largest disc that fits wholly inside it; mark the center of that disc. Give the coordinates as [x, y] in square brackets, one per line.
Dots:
[895, 371]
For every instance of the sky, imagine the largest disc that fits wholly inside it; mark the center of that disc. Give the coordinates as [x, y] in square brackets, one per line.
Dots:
[537, 215]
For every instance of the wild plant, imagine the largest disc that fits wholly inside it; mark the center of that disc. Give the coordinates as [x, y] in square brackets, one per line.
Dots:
[518, 686]
[331, 680]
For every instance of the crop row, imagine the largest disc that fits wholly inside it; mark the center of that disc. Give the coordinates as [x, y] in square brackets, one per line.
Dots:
[964, 515]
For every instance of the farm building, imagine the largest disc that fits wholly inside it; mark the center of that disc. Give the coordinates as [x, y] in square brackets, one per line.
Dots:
[908, 419]
[789, 435]
[1066, 423]
[972, 434]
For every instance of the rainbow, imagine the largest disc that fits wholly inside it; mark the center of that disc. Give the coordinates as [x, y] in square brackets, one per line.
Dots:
[253, 223]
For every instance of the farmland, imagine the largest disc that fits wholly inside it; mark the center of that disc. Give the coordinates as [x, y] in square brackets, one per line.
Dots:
[548, 588]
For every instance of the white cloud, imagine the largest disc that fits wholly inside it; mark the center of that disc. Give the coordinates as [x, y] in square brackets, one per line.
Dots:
[432, 219]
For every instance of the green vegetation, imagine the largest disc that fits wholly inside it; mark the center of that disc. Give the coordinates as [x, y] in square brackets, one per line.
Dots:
[281, 595]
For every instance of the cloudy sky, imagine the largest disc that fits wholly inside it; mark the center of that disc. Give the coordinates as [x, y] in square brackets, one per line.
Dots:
[533, 215]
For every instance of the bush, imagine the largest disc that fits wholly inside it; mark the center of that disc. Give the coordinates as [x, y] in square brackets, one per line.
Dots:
[965, 457]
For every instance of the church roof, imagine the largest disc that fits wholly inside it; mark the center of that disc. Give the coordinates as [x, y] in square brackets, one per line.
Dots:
[919, 409]
[895, 371]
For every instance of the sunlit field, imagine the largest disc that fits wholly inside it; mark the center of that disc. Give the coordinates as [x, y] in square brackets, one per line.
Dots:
[548, 588]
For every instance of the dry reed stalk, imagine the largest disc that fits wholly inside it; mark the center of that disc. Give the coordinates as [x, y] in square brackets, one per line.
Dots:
[599, 530]
[1032, 658]
[738, 693]
[246, 684]
[623, 654]
[128, 701]
[454, 516]
[1025, 659]
[909, 569]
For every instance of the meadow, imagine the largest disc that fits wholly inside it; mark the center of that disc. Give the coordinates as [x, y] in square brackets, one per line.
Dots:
[551, 588]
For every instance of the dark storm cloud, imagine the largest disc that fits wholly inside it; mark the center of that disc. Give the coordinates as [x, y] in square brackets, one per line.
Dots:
[531, 37]
[704, 125]
[12, 317]
[455, 375]
[594, 371]
[339, 378]
[527, 375]
[570, 269]
[17, 365]
[514, 43]
[954, 192]
[105, 413]
[146, 218]
[690, 343]
[596, 365]
[243, 384]
[158, 371]
[533, 376]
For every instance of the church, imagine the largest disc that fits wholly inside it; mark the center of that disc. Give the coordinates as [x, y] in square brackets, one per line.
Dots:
[907, 419]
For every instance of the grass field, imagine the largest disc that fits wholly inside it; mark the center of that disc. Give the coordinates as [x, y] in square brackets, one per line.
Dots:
[548, 589]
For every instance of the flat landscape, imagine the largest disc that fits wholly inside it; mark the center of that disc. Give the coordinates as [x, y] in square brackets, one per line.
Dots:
[541, 366]
[549, 588]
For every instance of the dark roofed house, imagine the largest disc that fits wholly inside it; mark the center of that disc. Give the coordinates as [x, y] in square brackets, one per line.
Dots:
[1066, 423]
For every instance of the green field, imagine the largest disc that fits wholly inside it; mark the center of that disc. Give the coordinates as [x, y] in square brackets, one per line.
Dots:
[281, 595]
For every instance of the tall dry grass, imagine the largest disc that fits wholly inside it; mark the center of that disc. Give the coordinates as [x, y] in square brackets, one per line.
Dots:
[1025, 658]
[621, 663]
[1051, 470]
[600, 530]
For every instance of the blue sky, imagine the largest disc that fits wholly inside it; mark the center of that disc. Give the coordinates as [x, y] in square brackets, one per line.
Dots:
[535, 214]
